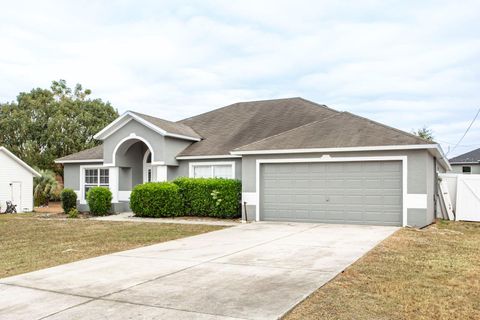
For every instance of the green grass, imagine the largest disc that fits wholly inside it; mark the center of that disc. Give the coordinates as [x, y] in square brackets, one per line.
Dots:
[29, 243]
[415, 274]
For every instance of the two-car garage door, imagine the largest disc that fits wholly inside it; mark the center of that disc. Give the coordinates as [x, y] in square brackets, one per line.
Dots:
[332, 192]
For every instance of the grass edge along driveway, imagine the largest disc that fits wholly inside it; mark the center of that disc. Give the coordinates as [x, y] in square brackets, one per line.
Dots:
[433, 273]
[29, 243]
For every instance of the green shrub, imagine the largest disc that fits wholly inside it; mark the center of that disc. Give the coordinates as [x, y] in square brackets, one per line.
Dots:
[99, 200]
[73, 213]
[39, 200]
[69, 200]
[219, 198]
[45, 188]
[156, 199]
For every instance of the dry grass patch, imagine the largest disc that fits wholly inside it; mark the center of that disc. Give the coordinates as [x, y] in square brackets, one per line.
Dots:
[415, 274]
[29, 243]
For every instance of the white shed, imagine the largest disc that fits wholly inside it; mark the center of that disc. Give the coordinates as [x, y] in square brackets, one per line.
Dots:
[16, 182]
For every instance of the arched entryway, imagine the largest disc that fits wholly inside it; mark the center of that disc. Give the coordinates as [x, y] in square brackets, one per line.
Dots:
[133, 157]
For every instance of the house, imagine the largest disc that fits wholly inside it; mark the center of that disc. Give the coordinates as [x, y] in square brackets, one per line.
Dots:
[466, 163]
[16, 182]
[298, 161]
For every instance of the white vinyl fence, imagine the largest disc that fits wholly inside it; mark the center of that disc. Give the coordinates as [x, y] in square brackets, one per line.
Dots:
[464, 190]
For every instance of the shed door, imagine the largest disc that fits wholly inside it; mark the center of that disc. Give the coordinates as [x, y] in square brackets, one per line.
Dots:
[335, 192]
[17, 194]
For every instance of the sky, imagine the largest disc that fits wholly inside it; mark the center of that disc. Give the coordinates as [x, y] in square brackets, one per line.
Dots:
[407, 64]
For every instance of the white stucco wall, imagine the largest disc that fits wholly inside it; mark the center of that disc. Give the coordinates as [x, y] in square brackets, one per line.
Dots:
[12, 171]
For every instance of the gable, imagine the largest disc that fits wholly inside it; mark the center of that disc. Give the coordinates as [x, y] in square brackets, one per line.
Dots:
[10, 161]
[161, 126]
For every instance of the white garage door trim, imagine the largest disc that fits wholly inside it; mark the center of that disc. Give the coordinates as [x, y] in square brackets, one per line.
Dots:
[326, 158]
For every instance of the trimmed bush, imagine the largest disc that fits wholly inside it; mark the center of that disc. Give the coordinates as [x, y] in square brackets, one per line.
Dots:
[73, 213]
[156, 199]
[219, 198]
[99, 200]
[69, 200]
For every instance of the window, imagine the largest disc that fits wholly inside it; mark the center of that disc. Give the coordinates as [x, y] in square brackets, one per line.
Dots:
[467, 169]
[95, 177]
[212, 170]
[149, 175]
[147, 167]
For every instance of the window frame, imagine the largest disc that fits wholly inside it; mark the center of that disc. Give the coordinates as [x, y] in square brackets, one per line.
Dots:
[98, 183]
[192, 165]
[469, 169]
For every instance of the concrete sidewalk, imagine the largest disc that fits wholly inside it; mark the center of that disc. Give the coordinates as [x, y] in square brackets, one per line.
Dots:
[251, 271]
[130, 217]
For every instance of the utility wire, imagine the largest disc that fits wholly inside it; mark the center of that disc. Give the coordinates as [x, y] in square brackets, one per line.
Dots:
[466, 131]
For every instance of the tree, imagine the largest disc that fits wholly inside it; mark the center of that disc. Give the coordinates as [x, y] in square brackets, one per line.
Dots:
[45, 188]
[45, 124]
[424, 133]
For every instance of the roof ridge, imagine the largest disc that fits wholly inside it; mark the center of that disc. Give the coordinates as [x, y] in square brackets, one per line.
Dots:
[254, 101]
[390, 127]
[148, 115]
[207, 112]
[293, 129]
[318, 104]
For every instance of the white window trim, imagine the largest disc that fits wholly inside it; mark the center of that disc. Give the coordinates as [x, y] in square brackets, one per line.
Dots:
[82, 179]
[147, 166]
[219, 163]
[326, 158]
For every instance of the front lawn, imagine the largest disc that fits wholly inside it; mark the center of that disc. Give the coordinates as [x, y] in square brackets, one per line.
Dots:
[29, 242]
[415, 274]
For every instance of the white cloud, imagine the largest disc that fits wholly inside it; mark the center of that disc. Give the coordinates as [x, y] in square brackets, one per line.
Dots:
[405, 63]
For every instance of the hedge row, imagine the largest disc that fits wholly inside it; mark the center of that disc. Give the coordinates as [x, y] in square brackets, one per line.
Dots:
[219, 198]
[156, 199]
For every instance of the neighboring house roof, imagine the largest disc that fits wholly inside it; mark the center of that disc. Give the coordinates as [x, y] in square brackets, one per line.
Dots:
[469, 157]
[342, 130]
[94, 154]
[233, 126]
[17, 159]
[161, 126]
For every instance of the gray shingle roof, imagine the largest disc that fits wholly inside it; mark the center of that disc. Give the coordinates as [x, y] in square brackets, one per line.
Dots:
[169, 126]
[242, 123]
[292, 123]
[94, 153]
[342, 130]
[469, 157]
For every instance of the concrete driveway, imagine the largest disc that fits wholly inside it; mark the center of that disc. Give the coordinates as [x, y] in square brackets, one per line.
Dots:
[252, 271]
